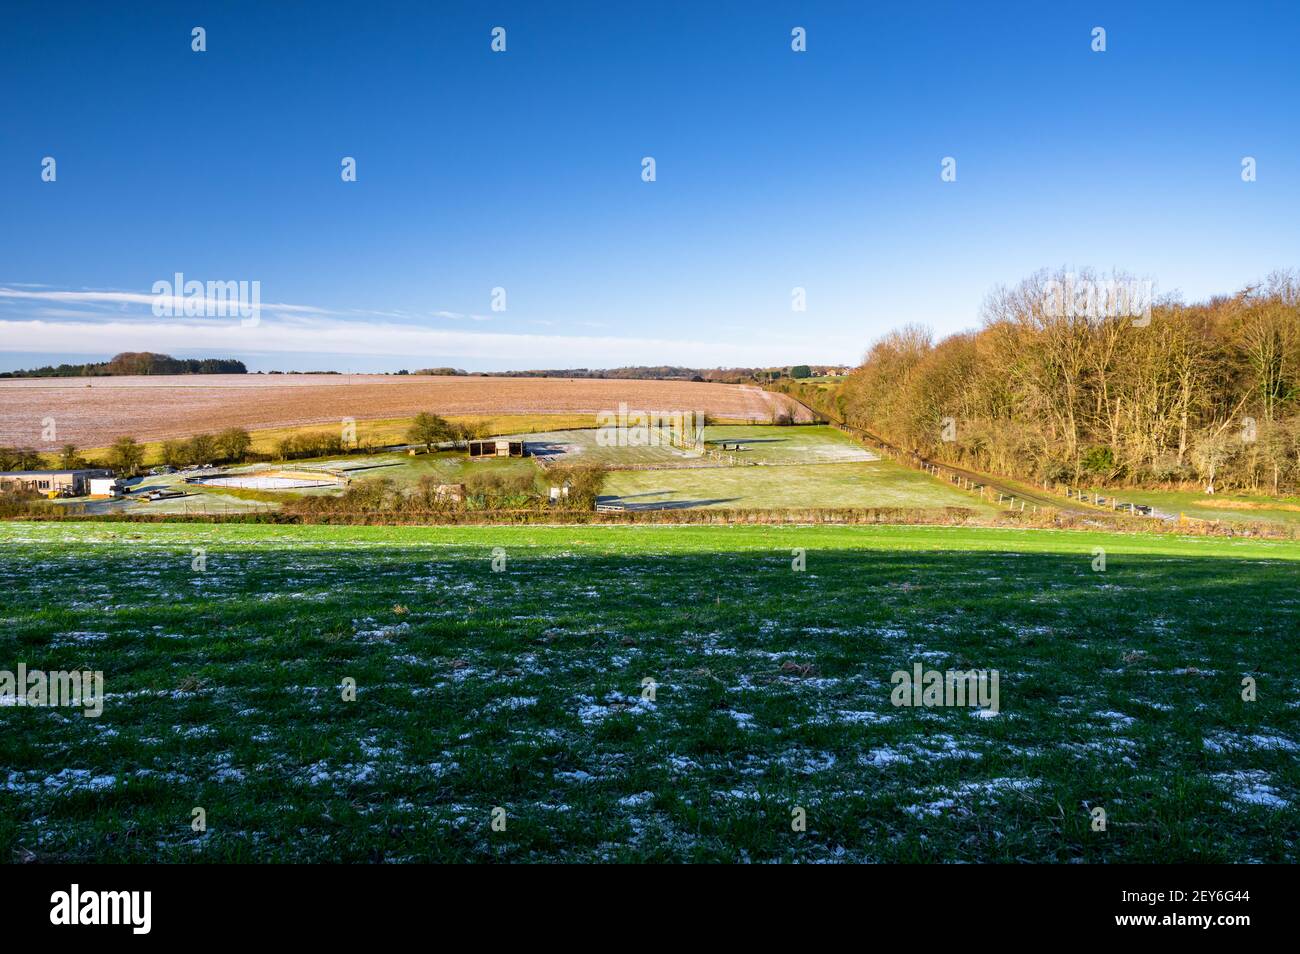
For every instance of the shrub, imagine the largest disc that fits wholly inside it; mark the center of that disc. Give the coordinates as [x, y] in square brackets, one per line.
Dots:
[234, 443]
[309, 444]
[126, 457]
[202, 449]
[19, 458]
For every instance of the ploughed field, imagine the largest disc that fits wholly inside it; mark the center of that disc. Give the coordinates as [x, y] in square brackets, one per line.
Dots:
[226, 650]
[92, 412]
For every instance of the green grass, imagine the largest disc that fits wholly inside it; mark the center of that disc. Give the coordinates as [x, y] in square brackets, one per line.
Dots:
[584, 447]
[875, 484]
[808, 444]
[449, 467]
[763, 443]
[522, 689]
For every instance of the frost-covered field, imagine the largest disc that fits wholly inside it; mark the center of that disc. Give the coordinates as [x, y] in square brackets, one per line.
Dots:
[226, 651]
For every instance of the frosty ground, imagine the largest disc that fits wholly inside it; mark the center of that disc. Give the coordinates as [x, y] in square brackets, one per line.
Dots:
[226, 650]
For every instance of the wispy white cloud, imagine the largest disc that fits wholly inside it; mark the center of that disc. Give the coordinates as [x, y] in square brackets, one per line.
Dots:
[354, 339]
[14, 293]
[460, 316]
[50, 322]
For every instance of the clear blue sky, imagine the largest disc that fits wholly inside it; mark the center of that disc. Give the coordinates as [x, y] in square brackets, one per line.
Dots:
[522, 170]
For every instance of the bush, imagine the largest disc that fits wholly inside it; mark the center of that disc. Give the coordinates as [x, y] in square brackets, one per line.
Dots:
[585, 483]
[491, 490]
[19, 458]
[202, 449]
[310, 444]
[21, 502]
[1099, 461]
[175, 453]
[233, 443]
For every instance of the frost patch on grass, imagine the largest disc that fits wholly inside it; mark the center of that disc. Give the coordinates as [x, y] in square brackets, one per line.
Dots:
[577, 775]
[681, 763]
[590, 711]
[850, 717]
[510, 703]
[742, 719]
[73, 639]
[886, 756]
[909, 753]
[379, 634]
[1227, 742]
[808, 763]
[320, 773]
[1118, 747]
[194, 731]
[1251, 788]
[69, 778]
[1115, 718]
[959, 799]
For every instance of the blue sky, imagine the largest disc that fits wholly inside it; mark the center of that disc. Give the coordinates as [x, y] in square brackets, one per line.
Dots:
[522, 170]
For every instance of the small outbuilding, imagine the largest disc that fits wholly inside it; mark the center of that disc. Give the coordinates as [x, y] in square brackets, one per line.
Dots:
[497, 448]
[104, 487]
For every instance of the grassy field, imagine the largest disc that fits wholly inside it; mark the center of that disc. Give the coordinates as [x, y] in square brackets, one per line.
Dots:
[764, 444]
[449, 467]
[808, 444]
[1235, 507]
[524, 690]
[572, 446]
[876, 484]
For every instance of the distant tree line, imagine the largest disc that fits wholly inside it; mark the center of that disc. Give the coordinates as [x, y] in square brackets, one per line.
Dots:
[135, 362]
[669, 373]
[126, 456]
[1206, 393]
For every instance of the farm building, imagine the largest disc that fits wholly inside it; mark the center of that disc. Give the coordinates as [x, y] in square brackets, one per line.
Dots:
[497, 448]
[68, 483]
[104, 487]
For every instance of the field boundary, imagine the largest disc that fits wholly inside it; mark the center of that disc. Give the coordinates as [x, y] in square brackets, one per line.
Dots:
[947, 517]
